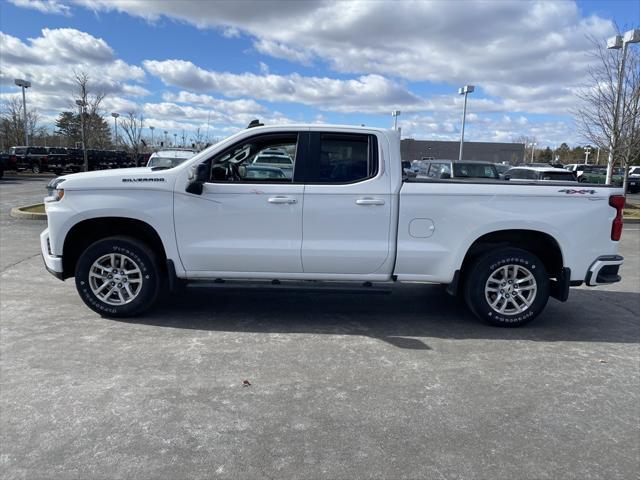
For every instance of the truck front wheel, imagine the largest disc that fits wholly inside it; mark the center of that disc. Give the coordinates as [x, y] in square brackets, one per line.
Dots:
[118, 277]
[507, 287]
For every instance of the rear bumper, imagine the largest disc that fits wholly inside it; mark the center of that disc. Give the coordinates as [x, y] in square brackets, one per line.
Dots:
[51, 262]
[604, 270]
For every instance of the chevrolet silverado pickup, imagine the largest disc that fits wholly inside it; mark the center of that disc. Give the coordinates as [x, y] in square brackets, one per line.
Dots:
[346, 215]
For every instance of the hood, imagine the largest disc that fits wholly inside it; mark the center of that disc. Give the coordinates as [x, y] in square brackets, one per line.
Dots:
[116, 178]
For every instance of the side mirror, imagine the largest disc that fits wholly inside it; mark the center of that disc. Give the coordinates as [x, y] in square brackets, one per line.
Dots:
[445, 175]
[507, 177]
[196, 186]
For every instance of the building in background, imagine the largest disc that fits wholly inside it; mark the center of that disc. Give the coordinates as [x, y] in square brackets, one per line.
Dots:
[512, 153]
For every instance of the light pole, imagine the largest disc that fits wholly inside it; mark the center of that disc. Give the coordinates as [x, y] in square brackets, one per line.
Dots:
[616, 43]
[115, 125]
[82, 104]
[533, 148]
[175, 139]
[395, 114]
[152, 129]
[165, 137]
[24, 84]
[466, 90]
[587, 151]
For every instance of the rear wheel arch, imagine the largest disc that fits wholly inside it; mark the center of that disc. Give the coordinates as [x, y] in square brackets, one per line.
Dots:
[86, 232]
[540, 244]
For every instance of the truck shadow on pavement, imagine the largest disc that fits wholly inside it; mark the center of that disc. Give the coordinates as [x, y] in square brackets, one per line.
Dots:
[407, 318]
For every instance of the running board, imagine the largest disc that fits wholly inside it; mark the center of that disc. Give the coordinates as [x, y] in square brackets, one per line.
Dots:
[292, 286]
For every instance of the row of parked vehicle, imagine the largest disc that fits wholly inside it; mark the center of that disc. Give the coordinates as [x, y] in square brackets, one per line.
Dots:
[579, 173]
[60, 159]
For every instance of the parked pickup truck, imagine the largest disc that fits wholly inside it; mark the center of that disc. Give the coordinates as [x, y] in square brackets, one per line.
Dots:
[346, 215]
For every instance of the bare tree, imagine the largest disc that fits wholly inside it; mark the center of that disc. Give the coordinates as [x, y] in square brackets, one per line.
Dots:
[96, 128]
[529, 145]
[197, 139]
[595, 116]
[132, 124]
[12, 122]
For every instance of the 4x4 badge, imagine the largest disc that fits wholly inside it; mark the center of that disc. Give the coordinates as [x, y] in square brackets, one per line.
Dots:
[571, 191]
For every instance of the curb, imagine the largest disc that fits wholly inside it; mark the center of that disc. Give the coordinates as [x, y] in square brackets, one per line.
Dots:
[16, 212]
[630, 221]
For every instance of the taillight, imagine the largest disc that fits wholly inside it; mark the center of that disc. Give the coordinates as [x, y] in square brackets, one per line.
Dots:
[617, 202]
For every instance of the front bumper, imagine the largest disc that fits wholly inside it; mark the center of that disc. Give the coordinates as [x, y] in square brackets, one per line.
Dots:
[51, 262]
[604, 270]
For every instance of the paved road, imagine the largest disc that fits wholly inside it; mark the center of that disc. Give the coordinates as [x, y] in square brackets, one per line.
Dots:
[406, 385]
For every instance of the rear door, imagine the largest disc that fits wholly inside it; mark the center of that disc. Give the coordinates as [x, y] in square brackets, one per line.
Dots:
[347, 205]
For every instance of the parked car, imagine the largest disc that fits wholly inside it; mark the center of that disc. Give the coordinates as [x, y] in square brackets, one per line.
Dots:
[444, 169]
[600, 176]
[348, 214]
[580, 168]
[30, 158]
[502, 168]
[169, 158]
[275, 157]
[545, 174]
[5, 163]
[407, 169]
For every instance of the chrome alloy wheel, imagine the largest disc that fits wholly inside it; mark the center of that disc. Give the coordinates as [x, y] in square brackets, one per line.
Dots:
[511, 289]
[115, 279]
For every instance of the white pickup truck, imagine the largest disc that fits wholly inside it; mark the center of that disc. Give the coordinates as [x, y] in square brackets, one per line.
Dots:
[346, 215]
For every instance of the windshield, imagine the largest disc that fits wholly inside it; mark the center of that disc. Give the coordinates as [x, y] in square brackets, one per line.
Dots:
[474, 170]
[165, 162]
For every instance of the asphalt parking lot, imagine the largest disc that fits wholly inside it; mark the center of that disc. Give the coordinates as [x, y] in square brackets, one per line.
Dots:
[343, 386]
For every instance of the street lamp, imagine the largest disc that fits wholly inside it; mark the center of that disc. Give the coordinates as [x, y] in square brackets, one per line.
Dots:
[533, 148]
[115, 125]
[152, 129]
[165, 137]
[395, 114]
[466, 90]
[616, 43]
[175, 139]
[82, 104]
[24, 84]
[587, 151]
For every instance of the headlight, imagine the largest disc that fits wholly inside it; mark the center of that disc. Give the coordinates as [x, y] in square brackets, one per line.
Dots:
[58, 194]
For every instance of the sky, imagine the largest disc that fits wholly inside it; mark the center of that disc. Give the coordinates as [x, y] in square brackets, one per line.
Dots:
[216, 65]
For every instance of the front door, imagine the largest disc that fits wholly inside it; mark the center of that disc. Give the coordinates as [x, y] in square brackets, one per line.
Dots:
[249, 216]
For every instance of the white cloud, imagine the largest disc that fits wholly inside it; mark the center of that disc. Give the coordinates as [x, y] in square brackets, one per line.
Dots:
[367, 94]
[529, 53]
[44, 6]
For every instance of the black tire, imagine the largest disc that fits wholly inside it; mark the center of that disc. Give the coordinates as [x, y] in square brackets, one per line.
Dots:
[477, 275]
[141, 255]
[582, 180]
[1, 172]
[35, 167]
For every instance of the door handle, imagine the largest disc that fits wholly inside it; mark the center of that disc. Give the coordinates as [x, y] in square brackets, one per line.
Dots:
[281, 199]
[369, 201]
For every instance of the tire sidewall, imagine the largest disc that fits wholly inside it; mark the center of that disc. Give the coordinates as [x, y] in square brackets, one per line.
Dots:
[486, 266]
[139, 254]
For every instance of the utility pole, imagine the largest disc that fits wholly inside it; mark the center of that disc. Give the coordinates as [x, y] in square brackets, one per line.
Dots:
[82, 104]
[466, 90]
[395, 114]
[115, 126]
[587, 151]
[24, 84]
[616, 43]
[533, 149]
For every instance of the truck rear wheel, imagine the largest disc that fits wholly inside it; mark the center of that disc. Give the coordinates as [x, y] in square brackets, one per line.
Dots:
[507, 287]
[118, 277]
